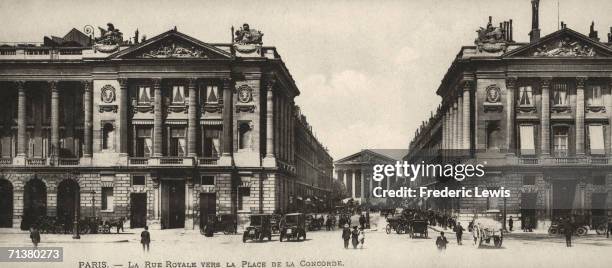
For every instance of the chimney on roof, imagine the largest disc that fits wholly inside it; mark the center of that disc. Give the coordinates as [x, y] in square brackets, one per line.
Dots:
[534, 35]
[136, 36]
[592, 33]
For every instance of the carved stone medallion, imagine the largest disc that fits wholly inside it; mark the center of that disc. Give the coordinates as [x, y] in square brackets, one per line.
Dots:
[245, 94]
[107, 94]
[493, 94]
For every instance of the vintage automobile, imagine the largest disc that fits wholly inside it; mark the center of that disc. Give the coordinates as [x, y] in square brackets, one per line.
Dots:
[259, 228]
[293, 226]
[418, 227]
[396, 223]
[556, 227]
[487, 228]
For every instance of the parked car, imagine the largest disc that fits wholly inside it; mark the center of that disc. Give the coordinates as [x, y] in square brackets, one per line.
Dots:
[259, 228]
[293, 226]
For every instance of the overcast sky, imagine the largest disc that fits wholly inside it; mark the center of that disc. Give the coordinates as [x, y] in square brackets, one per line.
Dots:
[367, 70]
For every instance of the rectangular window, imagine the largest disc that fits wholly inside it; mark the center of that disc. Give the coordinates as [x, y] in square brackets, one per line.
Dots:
[243, 197]
[211, 142]
[560, 142]
[596, 139]
[177, 142]
[493, 136]
[107, 198]
[144, 142]
[144, 95]
[527, 140]
[207, 180]
[599, 180]
[138, 180]
[529, 180]
[526, 96]
[178, 94]
[560, 91]
[594, 96]
[212, 95]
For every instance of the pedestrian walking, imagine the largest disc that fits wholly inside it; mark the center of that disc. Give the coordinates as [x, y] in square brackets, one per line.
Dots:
[120, 224]
[35, 235]
[355, 237]
[346, 235]
[361, 237]
[568, 228]
[459, 232]
[362, 221]
[511, 223]
[145, 238]
[441, 242]
[609, 228]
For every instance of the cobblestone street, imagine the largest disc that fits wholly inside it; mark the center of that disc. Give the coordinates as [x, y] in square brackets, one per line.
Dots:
[380, 250]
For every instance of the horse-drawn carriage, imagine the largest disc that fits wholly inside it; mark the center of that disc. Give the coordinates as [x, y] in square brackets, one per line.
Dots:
[488, 228]
[418, 227]
[314, 222]
[396, 223]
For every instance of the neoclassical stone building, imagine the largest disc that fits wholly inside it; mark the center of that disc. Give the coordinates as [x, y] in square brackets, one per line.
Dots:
[163, 131]
[536, 113]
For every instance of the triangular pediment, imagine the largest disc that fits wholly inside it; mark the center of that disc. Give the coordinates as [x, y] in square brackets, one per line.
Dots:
[366, 156]
[172, 45]
[564, 43]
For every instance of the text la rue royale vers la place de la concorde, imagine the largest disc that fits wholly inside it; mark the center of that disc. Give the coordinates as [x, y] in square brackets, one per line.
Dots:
[413, 171]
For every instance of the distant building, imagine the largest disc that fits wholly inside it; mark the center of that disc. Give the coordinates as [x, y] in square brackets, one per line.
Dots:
[355, 171]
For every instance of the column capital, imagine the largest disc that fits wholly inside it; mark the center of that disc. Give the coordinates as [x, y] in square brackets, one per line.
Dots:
[545, 81]
[192, 81]
[467, 85]
[53, 85]
[580, 81]
[20, 84]
[86, 85]
[156, 82]
[270, 82]
[511, 81]
[123, 82]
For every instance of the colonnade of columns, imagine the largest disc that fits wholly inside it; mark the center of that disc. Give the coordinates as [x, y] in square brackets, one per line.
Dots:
[456, 133]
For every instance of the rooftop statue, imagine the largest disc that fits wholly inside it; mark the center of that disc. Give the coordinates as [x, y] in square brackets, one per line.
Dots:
[491, 39]
[109, 39]
[246, 35]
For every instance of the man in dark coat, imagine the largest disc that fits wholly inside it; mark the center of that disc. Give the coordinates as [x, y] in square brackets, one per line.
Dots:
[145, 238]
[459, 232]
[609, 228]
[355, 237]
[362, 221]
[346, 235]
[511, 223]
[568, 228]
[441, 242]
[35, 236]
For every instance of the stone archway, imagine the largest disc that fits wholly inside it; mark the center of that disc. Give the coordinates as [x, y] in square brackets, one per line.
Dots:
[6, 204]
[68, 193]
[34, 202]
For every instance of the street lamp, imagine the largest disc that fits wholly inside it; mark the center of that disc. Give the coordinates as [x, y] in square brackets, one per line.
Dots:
[75, 224]
[93, 204]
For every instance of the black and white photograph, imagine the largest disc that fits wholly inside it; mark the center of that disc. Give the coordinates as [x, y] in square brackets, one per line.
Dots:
[305, 134]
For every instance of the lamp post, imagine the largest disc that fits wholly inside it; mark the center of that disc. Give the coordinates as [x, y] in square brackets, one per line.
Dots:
[505, 214]
[75, 224]
[93, 204]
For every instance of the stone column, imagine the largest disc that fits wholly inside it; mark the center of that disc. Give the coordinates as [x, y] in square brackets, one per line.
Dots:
[580, 115]
[87, 127]
[353, 183]
[157, 122]
[21, 119]
[510, 136]
[123, 116]
[270, 122]
[460, 124]
[54, 118]
[192, 121]
[545, 121]
[455, 128]
[467, 87]
[227, 117]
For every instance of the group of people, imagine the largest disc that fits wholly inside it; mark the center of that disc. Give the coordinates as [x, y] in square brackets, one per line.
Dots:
[356, 236]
